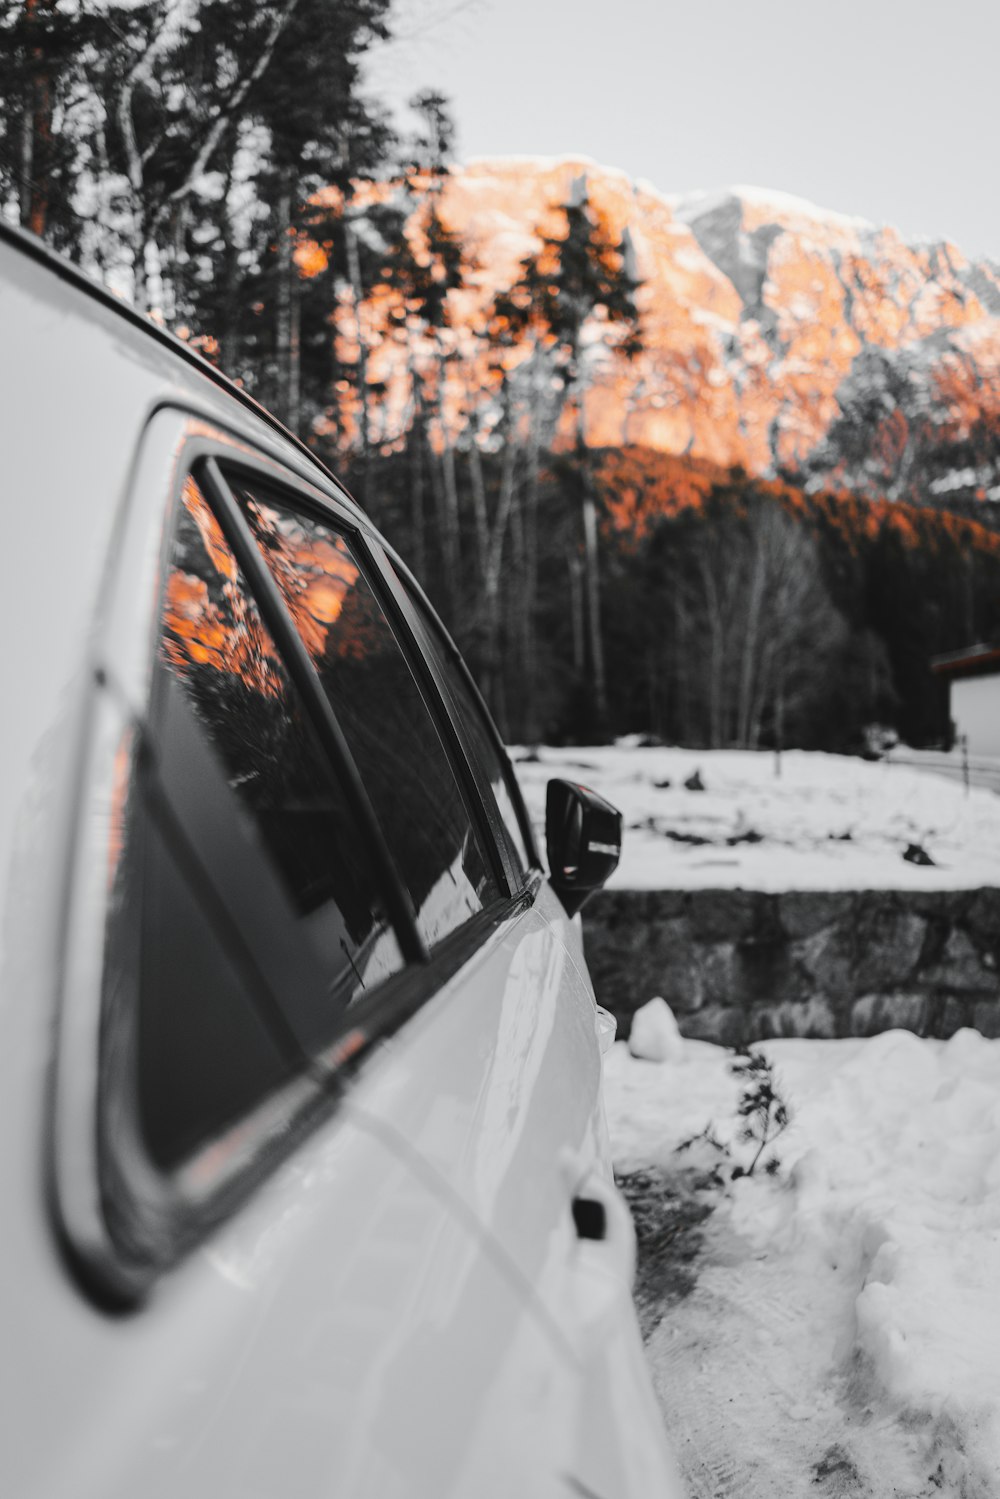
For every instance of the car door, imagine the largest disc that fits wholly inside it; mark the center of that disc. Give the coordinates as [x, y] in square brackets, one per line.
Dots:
[497, 1087]
[269, 1288]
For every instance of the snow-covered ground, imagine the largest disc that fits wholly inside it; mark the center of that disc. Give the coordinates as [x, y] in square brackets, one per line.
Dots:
[828, 822]
[843, 1335]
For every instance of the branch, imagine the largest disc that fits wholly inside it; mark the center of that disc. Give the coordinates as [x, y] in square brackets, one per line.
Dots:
[140, 72]
[226, 113]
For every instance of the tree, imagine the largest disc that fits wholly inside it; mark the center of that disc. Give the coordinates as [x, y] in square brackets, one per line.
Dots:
[172, 145]
[575, 278]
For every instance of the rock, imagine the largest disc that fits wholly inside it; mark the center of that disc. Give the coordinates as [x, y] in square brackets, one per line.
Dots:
[874, 1013]
[803, 912]
[826, 956]
[984, 915]
[726, 1025]
[815, 1019]
[986, 1018]
[914, 854]
[961, 968]
[694, 782]
[655, 1037]
[888, 945]
[727, 915]
[718, 973]
[765, 974]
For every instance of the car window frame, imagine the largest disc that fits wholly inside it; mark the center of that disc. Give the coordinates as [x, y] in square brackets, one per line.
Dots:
[121, 1221]
[424, 621]
[368, 553]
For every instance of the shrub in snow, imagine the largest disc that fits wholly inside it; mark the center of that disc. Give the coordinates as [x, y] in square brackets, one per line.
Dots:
[694, 782]
[764, 1112]
[654, 1036]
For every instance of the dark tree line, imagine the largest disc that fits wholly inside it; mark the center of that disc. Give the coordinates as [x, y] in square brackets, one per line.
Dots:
[220, 162]
[755, 615]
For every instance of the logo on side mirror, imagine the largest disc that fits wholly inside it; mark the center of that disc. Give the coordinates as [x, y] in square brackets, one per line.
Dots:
[583, 836]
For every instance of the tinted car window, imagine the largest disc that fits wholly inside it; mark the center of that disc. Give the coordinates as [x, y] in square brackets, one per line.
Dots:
[477, 731]
[262, 917]
[388, 727]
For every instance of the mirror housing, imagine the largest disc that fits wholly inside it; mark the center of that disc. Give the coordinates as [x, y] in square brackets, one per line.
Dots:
[583, 837]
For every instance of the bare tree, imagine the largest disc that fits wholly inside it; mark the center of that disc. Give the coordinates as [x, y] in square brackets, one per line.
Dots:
[761, 625]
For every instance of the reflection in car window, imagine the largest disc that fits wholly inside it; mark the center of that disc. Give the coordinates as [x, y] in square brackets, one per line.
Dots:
[388, 727]
[477, 732]
[290, 924]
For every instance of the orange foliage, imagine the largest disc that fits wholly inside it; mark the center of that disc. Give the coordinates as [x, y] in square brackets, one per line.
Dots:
[641, 486]
[314, 576]
[728, 376]
[227, 635]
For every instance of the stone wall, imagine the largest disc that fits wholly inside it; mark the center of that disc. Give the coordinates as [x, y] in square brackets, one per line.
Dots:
[739, 966]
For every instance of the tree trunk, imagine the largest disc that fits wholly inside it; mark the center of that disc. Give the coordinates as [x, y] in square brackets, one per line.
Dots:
[575, 567]
[228, 339]
[716, 652]
[416, 454]
[450, 539]
[531, 730]
[592, 582]
[520, 624]
[357, 300]
[36, 133]
[751, 652]
[286, 352]
[591, 570]
[479, 510]
[24, 190]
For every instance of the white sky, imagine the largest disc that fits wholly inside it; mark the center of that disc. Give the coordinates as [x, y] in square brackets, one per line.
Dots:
[884, 108]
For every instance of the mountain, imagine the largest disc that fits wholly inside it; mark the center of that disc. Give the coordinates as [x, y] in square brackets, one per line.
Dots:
[779, 338]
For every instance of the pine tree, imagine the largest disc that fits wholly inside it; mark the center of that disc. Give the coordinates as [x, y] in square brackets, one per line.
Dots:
[574, 277]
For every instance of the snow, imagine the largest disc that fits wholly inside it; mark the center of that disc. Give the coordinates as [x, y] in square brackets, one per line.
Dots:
[843, 1336]
[778, 205]
[655, 1036]
[828, 822]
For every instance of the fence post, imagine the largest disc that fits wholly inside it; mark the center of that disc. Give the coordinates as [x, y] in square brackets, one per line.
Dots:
[965, 762]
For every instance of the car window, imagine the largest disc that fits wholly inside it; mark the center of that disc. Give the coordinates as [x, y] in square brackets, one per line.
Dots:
[477, 730]
[393, 738]
[262, 917]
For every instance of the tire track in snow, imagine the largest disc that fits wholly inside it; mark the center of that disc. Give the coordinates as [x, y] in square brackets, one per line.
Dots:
[754, 1392]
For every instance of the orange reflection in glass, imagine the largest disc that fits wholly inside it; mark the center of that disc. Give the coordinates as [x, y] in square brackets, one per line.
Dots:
[224, 631]
[121, 781]
[314, 575]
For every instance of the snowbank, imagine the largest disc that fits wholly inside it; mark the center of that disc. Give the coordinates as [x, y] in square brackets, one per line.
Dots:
[883, 1228]
[829, 822]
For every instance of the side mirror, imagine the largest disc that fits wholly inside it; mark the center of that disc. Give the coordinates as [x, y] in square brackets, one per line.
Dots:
[583, 835]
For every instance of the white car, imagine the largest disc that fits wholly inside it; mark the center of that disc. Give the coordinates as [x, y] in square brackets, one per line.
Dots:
[304, 1173]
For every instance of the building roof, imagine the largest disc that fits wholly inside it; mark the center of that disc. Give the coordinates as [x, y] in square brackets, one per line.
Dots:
[973, 661]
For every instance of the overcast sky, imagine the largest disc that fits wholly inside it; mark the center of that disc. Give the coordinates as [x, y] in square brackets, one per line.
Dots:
[884, 108]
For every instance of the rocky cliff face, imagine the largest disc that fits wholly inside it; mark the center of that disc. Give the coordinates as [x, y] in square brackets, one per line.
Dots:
[778, 337]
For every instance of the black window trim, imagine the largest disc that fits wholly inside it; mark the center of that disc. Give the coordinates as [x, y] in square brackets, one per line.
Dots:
[368, 549]
[473, 777]
[102, 1186]
[304, 678]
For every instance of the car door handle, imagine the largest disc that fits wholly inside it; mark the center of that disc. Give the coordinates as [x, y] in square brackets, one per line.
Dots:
[604, 1226]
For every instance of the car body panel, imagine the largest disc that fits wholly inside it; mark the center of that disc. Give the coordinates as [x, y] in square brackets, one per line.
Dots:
[402, 1306]
[292, 1355]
